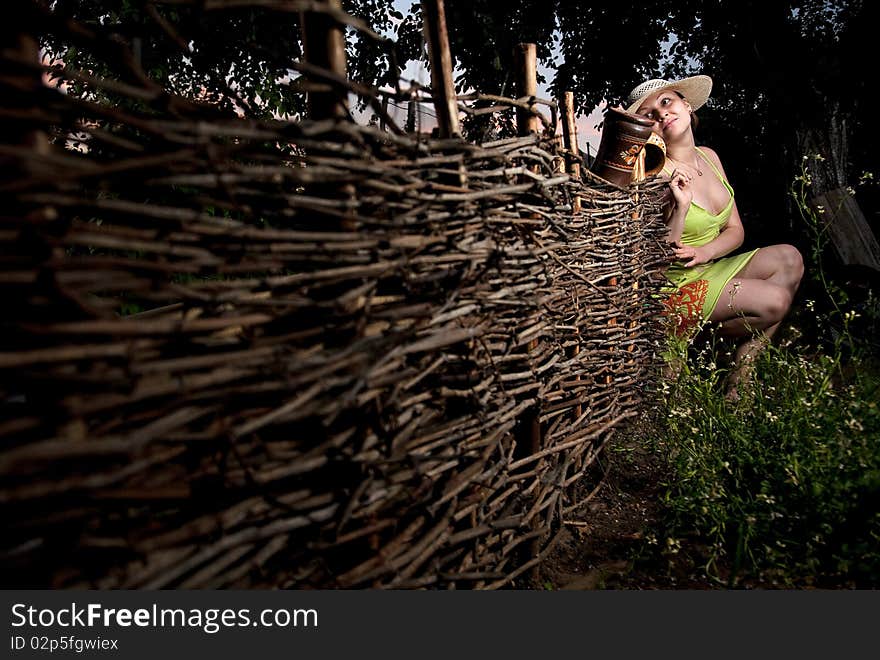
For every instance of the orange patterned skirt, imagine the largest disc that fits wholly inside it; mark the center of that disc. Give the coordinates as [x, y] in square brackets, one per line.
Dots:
[696, 290]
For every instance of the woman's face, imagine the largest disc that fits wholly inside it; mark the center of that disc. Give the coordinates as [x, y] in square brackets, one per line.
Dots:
[671, 113]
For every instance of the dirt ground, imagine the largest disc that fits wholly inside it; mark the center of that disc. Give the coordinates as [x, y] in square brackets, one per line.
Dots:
[605, 544]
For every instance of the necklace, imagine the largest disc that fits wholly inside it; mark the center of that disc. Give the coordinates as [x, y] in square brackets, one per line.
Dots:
[696, 167]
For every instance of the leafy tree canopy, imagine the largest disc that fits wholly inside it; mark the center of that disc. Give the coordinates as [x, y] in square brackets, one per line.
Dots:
[238, 59]
[789, 77]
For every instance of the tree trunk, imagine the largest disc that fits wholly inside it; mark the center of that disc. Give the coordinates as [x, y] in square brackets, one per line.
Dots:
[830, 142]
[826, 150]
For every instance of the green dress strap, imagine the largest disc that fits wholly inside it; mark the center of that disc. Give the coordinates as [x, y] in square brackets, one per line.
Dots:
[704, 157]
[711, 164]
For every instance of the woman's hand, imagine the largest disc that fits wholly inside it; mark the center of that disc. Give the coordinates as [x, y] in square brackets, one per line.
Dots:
[680, 184]
[692, 255]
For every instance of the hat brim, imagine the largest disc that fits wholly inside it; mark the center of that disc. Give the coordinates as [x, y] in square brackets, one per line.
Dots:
[695, 90]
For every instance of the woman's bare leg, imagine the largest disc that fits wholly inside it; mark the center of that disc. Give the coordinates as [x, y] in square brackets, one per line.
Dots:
[778, 264]
[753, 304]
[744, 361]
[750, 309]
[757, 299]
[749, 305]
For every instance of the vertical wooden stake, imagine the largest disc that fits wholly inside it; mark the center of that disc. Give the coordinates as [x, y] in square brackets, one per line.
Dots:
[410, 125]
[324, 47]
[525, 55]
[570, 141]
[569, 135]
[638, 175]
[569, 130]
[20, 85]
[441, 68]
[530, 434]
[559, 164]
[527, 70]
[382, 124]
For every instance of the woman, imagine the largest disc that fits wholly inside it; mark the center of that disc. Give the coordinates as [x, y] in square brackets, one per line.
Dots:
[747, 294]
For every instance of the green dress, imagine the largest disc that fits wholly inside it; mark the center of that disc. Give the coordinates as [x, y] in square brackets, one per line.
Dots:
[698, 288]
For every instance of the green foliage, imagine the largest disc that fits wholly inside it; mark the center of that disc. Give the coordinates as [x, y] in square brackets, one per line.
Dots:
[233, 59]
[380, 63]
[236, 59]
[485, 47]
[785, 486]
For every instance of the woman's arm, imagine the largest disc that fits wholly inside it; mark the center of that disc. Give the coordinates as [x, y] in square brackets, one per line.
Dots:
[730, 238]
[682, 196]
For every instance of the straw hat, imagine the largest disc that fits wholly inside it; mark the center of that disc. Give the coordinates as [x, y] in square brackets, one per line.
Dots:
[695, 89]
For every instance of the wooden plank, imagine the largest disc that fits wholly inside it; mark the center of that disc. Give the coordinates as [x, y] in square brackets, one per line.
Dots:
[851, 235]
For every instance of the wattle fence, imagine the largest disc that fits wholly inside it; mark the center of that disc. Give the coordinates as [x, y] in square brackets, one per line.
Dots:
[311, 354]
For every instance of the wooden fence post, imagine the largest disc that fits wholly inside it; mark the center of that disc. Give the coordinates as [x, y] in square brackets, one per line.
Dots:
[19, 84]
[851, 235]
[526, 59]
[570, 141]
[530, 435]
[525, 55]
[441, 68]
[324, 47]
[383, 125]
[410, 125]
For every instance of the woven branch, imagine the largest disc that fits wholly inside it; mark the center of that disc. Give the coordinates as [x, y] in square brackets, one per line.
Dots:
[303, 354]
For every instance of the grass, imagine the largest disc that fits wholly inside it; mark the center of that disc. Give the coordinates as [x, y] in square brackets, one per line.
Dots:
[783, 487]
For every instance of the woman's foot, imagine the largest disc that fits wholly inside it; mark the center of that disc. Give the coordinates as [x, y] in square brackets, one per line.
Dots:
[735, 393]
[740, 381]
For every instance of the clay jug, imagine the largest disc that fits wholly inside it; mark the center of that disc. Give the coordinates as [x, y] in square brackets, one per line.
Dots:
[624, 135]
